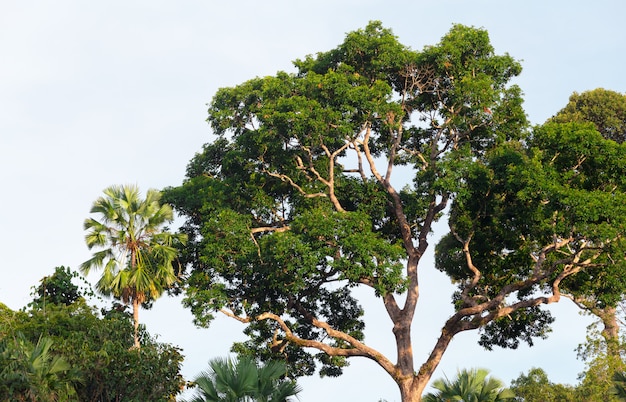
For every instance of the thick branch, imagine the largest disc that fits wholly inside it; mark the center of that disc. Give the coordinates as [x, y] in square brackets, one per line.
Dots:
[496, 307]
[287, 179]
[405, 228]
[277, 229]
[358, 348]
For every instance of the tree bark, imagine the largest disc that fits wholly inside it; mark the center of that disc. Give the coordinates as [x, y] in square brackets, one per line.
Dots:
[412, 389]
[610, 332]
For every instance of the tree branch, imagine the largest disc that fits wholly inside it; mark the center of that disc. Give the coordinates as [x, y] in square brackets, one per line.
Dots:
[358, 348]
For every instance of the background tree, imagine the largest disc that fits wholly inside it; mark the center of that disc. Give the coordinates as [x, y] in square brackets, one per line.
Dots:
[297, 202]
[560, 193]
[604, 108]
[600, 296]
[470, 385]
[58, 288]
[244, 380]
[603, 360]
[596, 382]
[100, 349]
[138, 253]
[536, 387]
[577, 170]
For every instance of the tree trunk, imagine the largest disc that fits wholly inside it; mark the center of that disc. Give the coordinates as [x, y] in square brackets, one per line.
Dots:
[610, 332]
[412, 385]
[412, 389]
[136, 322]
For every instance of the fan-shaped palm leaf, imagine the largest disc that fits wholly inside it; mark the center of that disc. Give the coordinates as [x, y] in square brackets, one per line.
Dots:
[244, 381]
[470, 386]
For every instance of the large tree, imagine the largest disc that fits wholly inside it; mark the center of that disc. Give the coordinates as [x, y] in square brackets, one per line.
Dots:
[137, 253]
[331, 178]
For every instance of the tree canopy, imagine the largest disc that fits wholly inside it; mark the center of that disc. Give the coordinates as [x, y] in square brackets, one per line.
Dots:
[332, 177]
[604, 108]
[600, 296]
[536, 387]
[31, 372]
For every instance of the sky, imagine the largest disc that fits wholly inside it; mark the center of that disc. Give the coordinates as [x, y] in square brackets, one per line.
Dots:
[100, 93]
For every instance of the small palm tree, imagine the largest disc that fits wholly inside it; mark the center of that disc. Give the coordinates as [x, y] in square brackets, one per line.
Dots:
[470, 386]
[33, 373]
[244, 381]
[137, 254]
[619, 385]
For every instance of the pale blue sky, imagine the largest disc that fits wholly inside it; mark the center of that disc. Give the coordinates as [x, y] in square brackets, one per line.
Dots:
[101, 93]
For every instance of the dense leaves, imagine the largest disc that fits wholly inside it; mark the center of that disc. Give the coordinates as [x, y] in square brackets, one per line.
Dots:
[536, 387]
[604, 108]
[331, 177]
[31, 372]
[600, 294]
[619, 385]
[470, 385]
[244, 380]
[104, 365]
[57, 289]
[554, 208]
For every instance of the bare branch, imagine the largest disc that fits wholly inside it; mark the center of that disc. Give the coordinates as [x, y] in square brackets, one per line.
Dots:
[287, 179]
[405, 228]
[270, 229]
[394, 147]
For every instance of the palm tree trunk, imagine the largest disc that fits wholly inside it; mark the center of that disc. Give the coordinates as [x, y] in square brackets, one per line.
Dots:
[136, 322]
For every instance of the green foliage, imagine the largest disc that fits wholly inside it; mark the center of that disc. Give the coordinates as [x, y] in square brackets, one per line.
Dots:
[286, 211]
[137, 253]
[470, 385]
[59, 289]
[519, 326]
[99, 350]
[597, 381]
[605, 109]
[603, 362]
[536, 387]
[599, 293]
[31, 372]
[244, 380]
[603, 381]
[566, 186]
[619, 385]
[294, 204]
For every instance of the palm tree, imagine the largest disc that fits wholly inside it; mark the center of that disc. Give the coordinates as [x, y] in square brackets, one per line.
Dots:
[244, 381]
[470, 386]
[32, 373]
[137, 253]
[619, 385]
